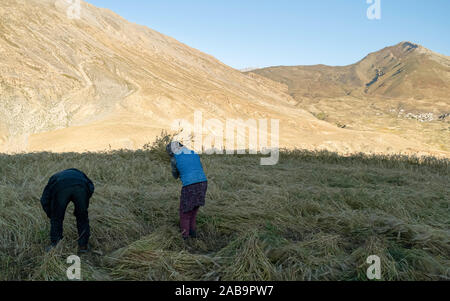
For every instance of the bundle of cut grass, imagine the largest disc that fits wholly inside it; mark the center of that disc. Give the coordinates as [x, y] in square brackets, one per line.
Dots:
[161, 256]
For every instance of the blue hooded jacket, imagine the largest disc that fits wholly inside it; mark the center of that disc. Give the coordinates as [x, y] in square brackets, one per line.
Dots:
[189, 167]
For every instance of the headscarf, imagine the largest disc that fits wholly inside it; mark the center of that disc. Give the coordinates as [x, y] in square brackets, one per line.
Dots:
[173, 148]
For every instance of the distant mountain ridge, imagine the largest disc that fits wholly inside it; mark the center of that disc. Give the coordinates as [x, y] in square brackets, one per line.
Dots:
[403, 89]
[406, 70]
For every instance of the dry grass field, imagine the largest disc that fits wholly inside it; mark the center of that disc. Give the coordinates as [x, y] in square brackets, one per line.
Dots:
[314, 216]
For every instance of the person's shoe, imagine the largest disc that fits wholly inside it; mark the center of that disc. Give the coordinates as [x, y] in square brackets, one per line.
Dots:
[193, 234]
[83, 249]
[51, 247]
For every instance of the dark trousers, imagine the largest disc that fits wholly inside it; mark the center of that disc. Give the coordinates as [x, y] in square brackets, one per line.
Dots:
[79, 196]
[188, 222]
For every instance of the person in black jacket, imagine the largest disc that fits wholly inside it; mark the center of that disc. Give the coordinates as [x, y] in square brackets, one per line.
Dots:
[67, 186]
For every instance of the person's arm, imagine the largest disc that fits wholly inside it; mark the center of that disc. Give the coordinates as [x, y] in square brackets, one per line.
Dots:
[175, 171]
[46, 200]
[91, 187]
[90, 184]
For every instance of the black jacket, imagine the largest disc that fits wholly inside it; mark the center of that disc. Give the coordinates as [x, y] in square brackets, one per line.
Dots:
[61, 180]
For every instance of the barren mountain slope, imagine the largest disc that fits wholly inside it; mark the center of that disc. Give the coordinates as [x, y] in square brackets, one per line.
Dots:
[101, 83]
[405, 70]
[403, 89]
[57, 73]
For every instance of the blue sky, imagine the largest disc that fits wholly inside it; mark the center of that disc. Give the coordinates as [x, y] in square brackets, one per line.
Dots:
[260, 33]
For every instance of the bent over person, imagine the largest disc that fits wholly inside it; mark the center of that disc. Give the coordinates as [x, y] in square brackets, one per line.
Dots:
[186, 165]
[64, 187]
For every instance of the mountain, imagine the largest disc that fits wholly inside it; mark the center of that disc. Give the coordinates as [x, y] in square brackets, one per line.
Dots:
[100, 82]
[405, 70]
[402, 90]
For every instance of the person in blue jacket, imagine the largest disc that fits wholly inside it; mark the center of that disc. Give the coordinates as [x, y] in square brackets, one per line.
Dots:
[186, 165]
[70, 185]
